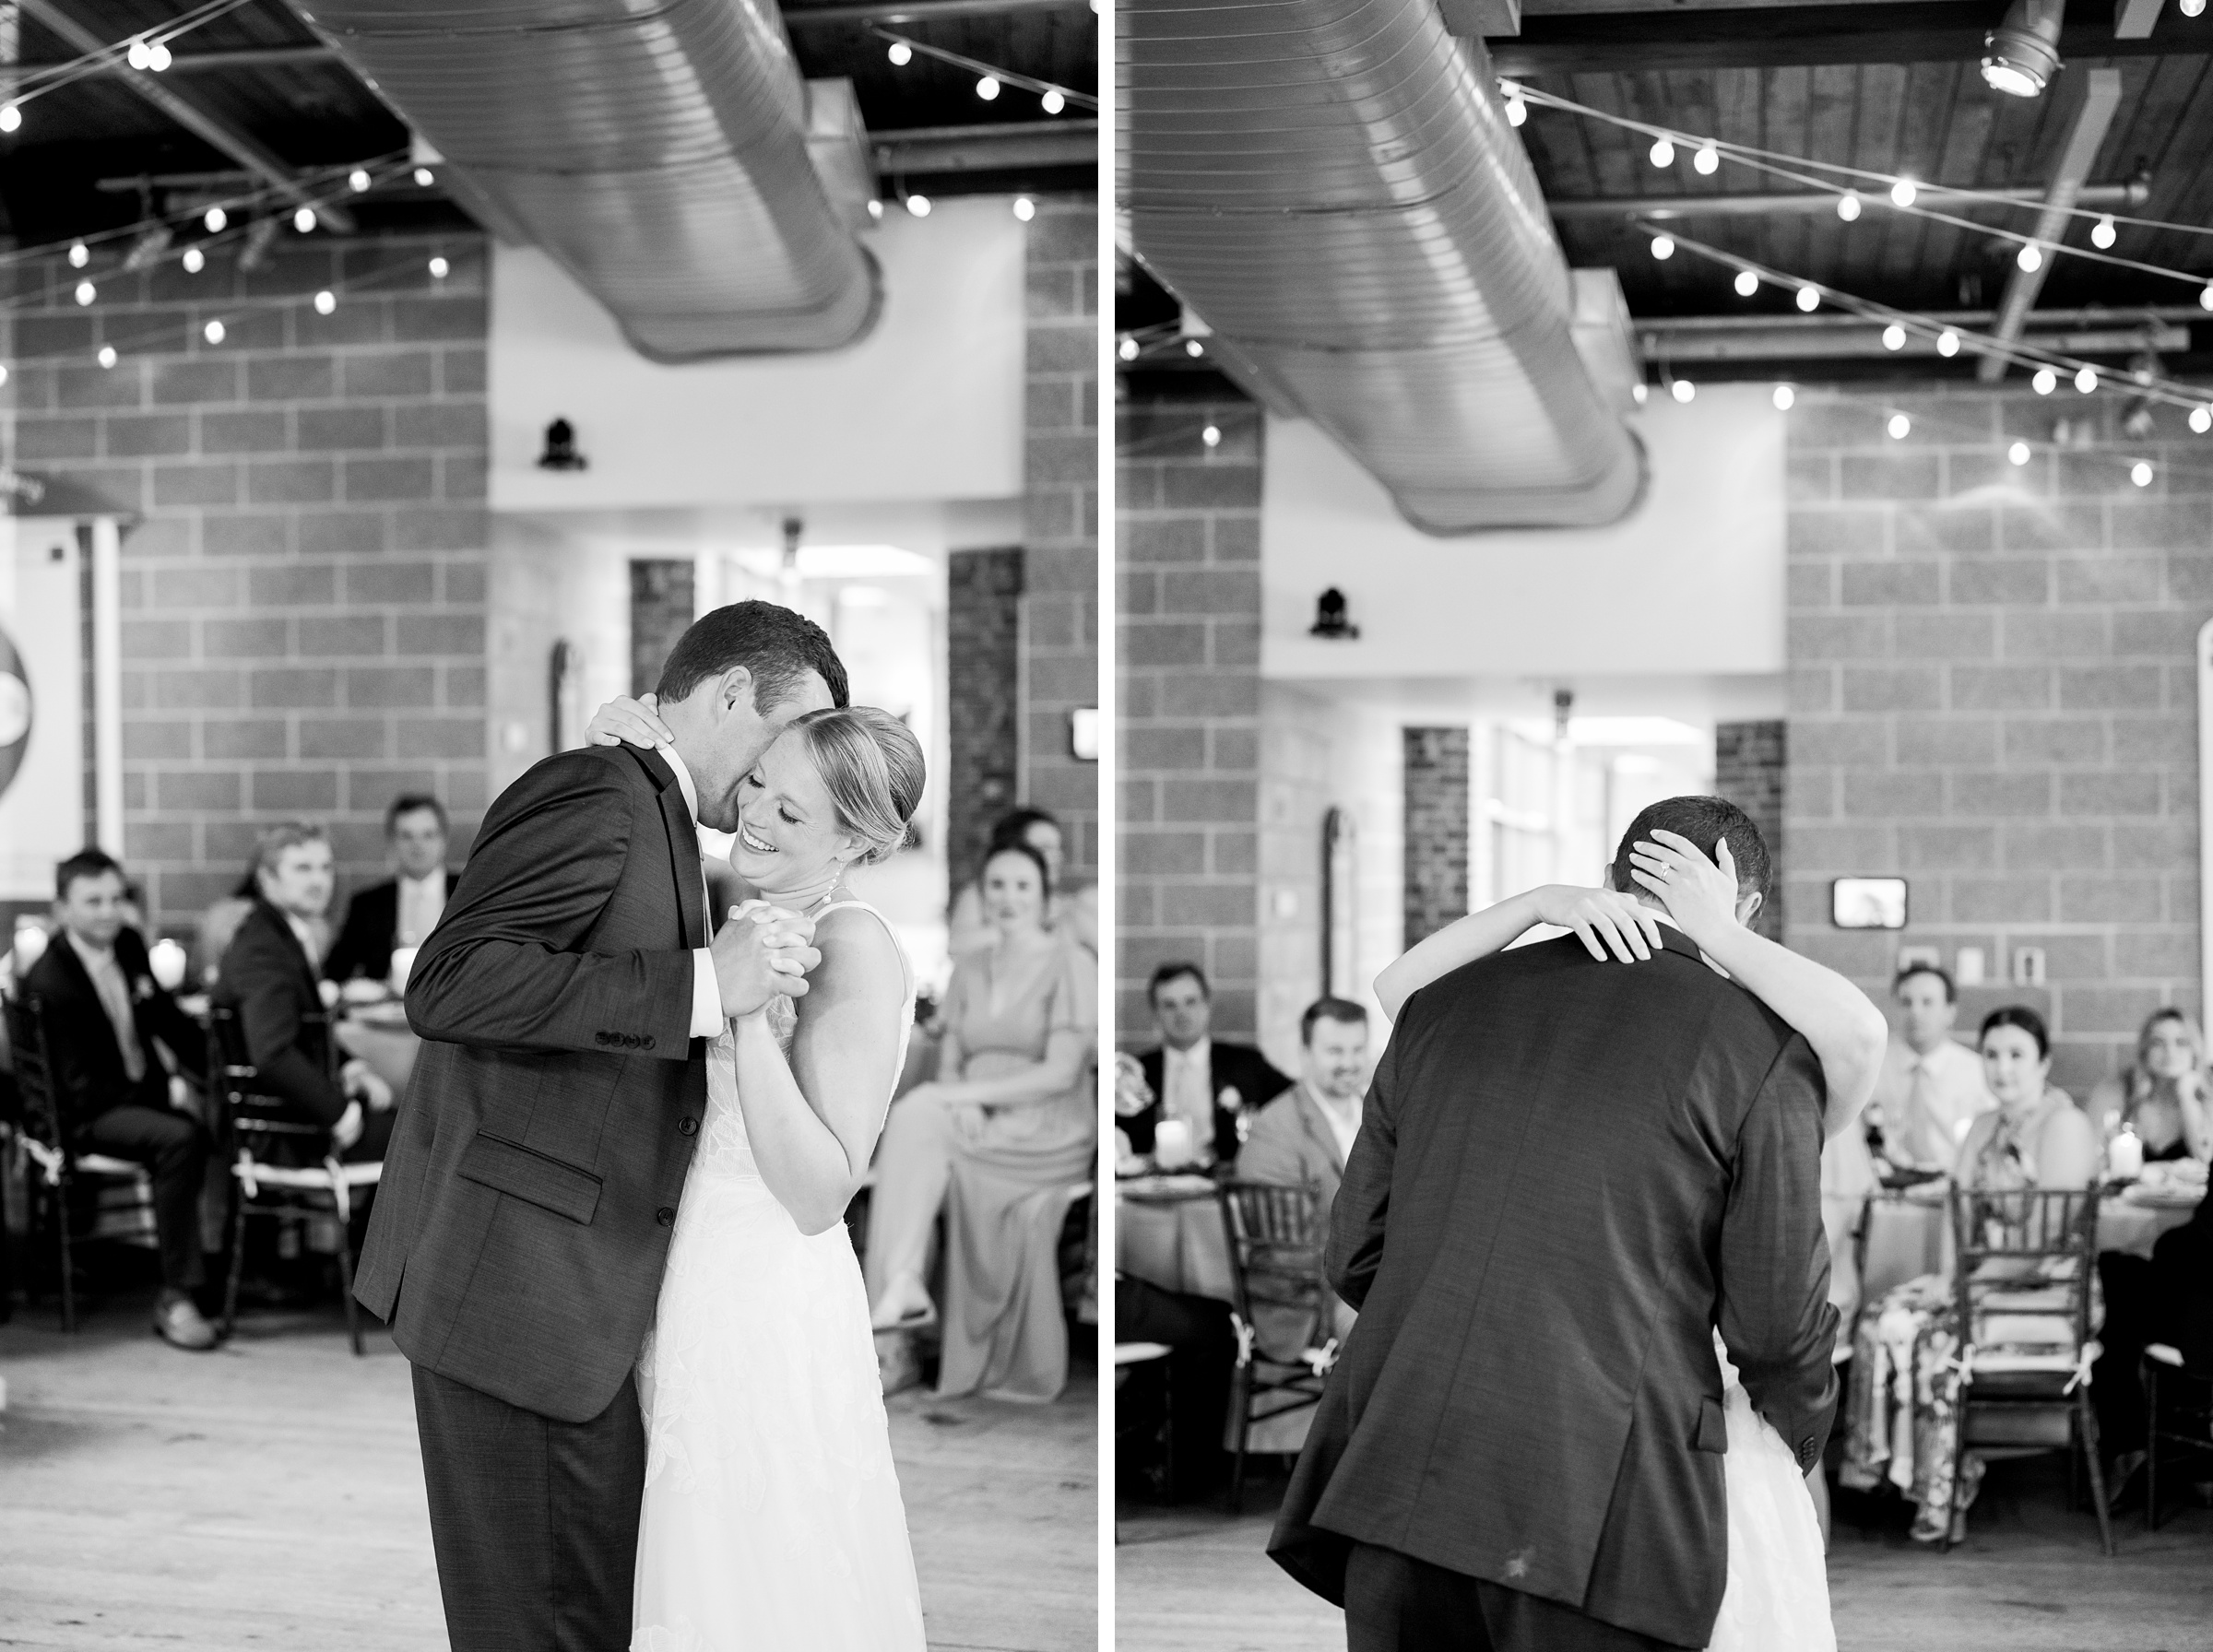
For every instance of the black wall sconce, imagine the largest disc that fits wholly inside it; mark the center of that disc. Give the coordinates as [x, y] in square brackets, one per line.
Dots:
[1329, 618]
[561, 448]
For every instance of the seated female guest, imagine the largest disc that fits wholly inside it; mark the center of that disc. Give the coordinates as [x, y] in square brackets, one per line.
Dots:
[1000, 1139]
[2038, 1136]
[1069, 909]
[2161, 1096]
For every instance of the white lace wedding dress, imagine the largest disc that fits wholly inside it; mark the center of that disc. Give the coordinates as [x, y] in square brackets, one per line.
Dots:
[1777, 1599]
[772, 1519]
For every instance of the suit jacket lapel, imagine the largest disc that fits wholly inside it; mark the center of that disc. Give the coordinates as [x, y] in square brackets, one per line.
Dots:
[683, 850]
[1317, 1127]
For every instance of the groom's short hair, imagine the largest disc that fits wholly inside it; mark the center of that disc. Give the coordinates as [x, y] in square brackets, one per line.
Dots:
[1705, 821]
[778, 645]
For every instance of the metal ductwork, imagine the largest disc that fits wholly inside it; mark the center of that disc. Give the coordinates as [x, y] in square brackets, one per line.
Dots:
[1332, 187]
[659, 153]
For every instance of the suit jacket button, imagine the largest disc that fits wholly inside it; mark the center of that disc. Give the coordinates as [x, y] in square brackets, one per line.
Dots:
[647, 1042]
[687, 1127]
[666, 1216]
[601, 1038]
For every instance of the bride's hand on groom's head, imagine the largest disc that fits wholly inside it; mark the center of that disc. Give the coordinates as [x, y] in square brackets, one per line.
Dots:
[1696, 891]
[1605, 920]
[624, 721]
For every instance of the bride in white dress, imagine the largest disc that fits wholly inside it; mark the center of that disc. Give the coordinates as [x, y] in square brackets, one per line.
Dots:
[772, 1517]
[1777, 1595]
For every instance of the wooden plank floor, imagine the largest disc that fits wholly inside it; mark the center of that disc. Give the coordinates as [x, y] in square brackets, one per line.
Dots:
[2029, 1579]
[270, 1494]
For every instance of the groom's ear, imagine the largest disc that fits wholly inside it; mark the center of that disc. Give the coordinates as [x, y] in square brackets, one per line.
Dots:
[736, 689]
[1748, 908]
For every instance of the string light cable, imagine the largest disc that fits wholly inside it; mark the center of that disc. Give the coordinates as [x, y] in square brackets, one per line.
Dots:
[985, 71]
[2019, 355]
[148, 49]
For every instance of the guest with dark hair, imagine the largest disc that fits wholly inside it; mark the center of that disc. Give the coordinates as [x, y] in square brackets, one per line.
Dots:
[1931, 1090]
[269, 979]
[1074, 910]
[402, 911]
[103, 1013]
[1214, 1086]
[2035, 1136]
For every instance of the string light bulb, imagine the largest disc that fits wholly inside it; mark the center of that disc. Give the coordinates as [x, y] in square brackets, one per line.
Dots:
[987, 87]
[1661, 154]
[901, 54]
[1848, 205]
[194, 261]
[1809, 298]
[213, 331]
[1516, 110]
[10, 117]
[2018, 453]
[107, 355]
[2085, 381]
[2140, 473]
[2028, 258]
[876, 210]
[2102, 233]
[1641, 394]
[303, 220]
[1899, 427]
[1212, 435]
[79, 254]
[1903, 193]
[1707, 159]
[139, 57]
[86, 293]
[1024, 208]
[2193, 8]
[918, 205]
[2201, 418]
[358, 180]
[440, 268]
[1662, 248]
[1948, 343]
[424, 177]
[2204, 296]
[1193, 348]
[157, 57]
[325, 301]
[216, 219]
[1894, 337]
[1127, 350]
[2, 372]
[1054, 100]
[1683, 390]
[1786, 398]
[1747, 283]
[2045, 381]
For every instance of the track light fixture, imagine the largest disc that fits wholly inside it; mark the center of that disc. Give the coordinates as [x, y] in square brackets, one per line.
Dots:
[2022, 55]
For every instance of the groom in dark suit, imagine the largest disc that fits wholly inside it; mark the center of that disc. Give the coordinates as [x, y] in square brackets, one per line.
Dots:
[1568, 1173]
[532, 1180]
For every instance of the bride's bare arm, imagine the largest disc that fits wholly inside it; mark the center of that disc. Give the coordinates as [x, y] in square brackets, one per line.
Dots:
[812, 1121]
[1847, 1031]
[1601, 917]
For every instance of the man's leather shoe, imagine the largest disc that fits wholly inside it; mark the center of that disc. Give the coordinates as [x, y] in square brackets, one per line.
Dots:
[180, 1325]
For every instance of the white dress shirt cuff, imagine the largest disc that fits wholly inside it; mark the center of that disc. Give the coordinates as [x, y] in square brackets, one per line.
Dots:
[708, 1019]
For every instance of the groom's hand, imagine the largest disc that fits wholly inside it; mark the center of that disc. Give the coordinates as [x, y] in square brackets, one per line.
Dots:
[761, 951]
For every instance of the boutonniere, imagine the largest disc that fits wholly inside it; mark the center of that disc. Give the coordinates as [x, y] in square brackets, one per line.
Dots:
[142, 989]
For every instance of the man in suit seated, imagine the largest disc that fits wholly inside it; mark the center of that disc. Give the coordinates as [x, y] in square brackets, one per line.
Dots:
[1191, 1076]
[269, 980]
[1304, 1136]
[103, 1012]
[402, 911]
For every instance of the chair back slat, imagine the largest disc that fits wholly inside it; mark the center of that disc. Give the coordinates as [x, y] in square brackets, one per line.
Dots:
[2006, 1240]
[1275, 1249]
[249, 1110]
[34, 1070]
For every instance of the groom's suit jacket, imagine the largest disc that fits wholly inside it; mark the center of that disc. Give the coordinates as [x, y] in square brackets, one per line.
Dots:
[1568, 1173]
[535, 1168]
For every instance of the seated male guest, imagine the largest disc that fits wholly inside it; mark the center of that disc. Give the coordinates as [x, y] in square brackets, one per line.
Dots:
[1931, 1090]
[403, 912]
[1304, 1136]
[1193, 1076]
[103, 1010]
[269, 979]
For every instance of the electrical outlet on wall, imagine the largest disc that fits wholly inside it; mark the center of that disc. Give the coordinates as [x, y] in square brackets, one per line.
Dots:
[2028, 966]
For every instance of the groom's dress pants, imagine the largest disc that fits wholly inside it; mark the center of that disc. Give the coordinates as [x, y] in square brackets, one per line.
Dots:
[535, 1522]
[1395, 1604]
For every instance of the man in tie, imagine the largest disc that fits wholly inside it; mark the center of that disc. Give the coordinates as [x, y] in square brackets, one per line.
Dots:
[1931, 1089]
[103, 1013]
[403, 910]
[1193, 1076]
[270, 981]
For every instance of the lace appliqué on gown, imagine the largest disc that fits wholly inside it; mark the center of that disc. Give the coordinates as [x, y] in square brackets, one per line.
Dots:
[1776, 1597]
[772, 1517]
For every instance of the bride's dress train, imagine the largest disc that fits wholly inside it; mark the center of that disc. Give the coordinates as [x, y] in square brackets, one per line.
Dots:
[772, 1517]
[1777, 1599]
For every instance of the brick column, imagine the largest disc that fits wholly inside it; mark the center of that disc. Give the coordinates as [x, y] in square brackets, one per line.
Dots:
[1060, 573]
[304, 569]
[1436, 848]
[663, 603]
[983, 626]
[1190, 535]
[1748, 761]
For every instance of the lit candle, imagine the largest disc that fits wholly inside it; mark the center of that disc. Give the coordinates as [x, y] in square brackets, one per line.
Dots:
[166, 959]
[30, 944]
[403, 960]
[2124, 1156]
[1171, 1143]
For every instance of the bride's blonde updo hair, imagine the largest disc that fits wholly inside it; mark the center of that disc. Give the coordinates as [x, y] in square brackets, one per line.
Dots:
[872, 766]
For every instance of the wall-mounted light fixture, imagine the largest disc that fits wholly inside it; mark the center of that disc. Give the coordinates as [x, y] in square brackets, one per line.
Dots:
[1330, 617]
[561, 448]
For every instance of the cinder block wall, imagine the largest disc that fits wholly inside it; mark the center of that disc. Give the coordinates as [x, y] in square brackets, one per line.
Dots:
[1435, 847]
[1993, 693]
[1061, 568]
[983, 643]
[1749, 759]
[303, 558]
[1189, 527]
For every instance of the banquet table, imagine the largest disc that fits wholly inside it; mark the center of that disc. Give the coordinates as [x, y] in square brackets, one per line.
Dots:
[1906, 1233]
[1168, 1232]
[379, 1034]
